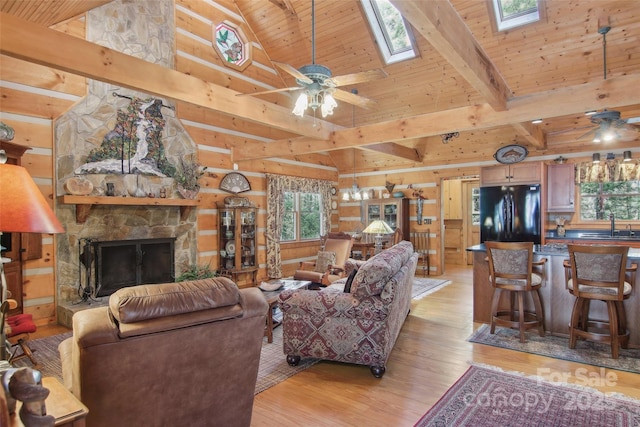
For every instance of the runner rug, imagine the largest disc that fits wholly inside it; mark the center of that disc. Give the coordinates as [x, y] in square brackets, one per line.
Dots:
[423, 287]
[587, 352]
[486, 396]
[273, 364]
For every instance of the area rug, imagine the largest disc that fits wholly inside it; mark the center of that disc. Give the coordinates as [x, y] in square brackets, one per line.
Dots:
[587, 352]
[485, 396]
[273, 364]
[423, 287]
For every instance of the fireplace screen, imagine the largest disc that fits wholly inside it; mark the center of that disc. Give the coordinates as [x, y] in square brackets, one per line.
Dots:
[122, 263]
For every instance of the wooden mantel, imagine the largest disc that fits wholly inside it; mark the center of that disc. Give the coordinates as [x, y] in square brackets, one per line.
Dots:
[85, 203]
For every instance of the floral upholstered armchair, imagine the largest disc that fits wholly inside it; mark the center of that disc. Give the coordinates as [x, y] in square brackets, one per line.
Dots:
[329, 266]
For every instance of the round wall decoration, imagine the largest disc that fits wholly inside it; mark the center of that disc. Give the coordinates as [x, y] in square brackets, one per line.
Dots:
[511, 154]
[235, 182]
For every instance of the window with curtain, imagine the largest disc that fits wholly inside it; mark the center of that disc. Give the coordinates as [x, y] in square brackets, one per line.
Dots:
[609, 187]
[302, 218]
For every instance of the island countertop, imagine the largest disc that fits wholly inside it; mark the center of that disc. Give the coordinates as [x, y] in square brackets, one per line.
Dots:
[555, 249]
[557, 302]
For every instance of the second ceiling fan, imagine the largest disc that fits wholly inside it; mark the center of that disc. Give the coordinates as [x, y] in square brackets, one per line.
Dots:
[320, 88]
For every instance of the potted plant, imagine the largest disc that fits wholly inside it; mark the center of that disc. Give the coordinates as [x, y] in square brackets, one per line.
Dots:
[196, 272]
[187, 177]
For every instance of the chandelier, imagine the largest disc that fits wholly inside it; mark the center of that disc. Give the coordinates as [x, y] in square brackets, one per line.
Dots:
[316, 94]
[355, 193]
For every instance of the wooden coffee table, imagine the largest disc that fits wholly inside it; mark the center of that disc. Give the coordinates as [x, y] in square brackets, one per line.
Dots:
[272, 299]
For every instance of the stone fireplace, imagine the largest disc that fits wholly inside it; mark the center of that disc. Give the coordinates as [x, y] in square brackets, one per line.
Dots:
[143, 29]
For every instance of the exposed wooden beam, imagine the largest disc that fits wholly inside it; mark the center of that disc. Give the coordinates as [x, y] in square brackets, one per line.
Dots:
[447, 32]
[31, 42]
[568, 100]
[284, 5]
[532, 133]
[393, 149]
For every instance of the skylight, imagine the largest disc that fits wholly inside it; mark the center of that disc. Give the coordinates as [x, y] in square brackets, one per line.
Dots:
[390, 30]
[514, 13]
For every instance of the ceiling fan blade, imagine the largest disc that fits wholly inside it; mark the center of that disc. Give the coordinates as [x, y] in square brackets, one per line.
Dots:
[357, 100]
[355, 78]
[286, 89]
[633, 120]
[294, 72]
[592, 131]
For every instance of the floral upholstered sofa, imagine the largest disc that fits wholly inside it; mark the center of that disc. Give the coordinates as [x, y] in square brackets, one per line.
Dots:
[354, 322]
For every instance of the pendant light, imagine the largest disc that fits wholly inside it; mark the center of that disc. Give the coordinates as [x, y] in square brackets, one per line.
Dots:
[355, 193]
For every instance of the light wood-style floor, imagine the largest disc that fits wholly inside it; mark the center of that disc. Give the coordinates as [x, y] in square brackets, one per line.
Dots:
[430, 355]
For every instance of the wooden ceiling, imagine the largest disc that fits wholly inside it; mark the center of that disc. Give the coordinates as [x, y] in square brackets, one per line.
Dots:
[468, 78]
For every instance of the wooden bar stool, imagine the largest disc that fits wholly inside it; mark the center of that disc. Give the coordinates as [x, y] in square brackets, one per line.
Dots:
[511, 269]
[599, 273]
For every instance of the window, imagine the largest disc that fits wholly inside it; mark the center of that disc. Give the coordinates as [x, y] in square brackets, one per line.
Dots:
[302, 219]
[599, 200]
[515, 13]
[393, 35]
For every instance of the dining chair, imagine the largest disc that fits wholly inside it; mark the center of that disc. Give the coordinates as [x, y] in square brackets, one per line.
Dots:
[511, 268]
[420, 240]
[599, 273]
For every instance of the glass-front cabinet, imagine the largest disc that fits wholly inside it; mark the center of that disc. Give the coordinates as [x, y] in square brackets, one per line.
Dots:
[237, 244]
[395, 212]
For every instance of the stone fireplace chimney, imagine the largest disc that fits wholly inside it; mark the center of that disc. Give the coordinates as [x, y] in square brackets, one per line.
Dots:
[144, 29]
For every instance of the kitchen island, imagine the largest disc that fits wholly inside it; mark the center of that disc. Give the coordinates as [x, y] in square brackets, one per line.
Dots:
[557, 302]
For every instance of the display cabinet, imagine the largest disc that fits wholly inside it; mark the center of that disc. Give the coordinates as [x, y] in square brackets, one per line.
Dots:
[237, 244]
[395, 212]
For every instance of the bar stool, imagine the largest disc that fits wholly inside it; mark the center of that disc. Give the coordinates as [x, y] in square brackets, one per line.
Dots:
[511, 269]
[599, 273]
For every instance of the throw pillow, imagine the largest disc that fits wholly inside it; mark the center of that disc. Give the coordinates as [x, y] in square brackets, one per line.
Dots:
[324, 260]
[347, 285]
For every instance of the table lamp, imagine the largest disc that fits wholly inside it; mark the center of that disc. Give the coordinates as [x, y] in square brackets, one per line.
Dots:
[23, 209]
[378, 227]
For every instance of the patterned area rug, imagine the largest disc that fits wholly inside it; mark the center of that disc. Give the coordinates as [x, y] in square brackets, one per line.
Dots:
[486, 396]
[587, 352]
[423, 286]
[273, 364]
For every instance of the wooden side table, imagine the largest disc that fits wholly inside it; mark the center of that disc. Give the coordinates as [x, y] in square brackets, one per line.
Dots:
[64, 406]
[272, 299]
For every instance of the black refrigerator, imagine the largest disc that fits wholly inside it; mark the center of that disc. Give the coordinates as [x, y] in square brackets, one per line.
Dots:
[510, 213]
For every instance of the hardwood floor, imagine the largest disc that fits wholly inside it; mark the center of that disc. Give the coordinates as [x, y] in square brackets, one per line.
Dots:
[430, 355]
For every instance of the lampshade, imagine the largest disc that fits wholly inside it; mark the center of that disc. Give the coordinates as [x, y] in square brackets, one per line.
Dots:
[378, 227]
[596, 157]
[23, 208]
[627, 156]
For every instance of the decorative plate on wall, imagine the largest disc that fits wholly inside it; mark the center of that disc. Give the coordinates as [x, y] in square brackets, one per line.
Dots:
[235, 182]
[511, 154]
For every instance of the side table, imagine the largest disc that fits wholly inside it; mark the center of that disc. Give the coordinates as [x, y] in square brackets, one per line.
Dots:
[272, 299]
[61, 403]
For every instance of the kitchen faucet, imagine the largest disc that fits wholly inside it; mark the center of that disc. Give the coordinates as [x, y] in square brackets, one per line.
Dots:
[612, 218]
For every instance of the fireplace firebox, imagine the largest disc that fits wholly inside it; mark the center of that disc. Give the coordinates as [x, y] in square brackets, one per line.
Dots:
[122, 263]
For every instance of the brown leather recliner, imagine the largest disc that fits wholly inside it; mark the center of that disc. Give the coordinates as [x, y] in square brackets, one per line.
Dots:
[337, 243]
[168, 354]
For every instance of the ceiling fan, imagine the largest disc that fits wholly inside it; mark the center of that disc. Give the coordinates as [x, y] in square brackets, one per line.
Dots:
[319, 86]
[609, 124]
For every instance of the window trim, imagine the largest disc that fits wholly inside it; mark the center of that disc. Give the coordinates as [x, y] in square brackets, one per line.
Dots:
[598, 195]
[519, 20]
[297, 219]
[382, 38]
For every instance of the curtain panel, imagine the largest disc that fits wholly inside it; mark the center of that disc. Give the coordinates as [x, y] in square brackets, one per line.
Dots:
[608, 171]
[277, 185]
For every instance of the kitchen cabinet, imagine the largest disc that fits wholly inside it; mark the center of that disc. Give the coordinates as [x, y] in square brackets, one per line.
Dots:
[452, 198]
[237, 244]
[517, 173]
[561, 188]
[395, 212]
